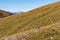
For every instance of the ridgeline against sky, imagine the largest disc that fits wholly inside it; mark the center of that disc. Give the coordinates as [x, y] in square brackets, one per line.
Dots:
[23, 5]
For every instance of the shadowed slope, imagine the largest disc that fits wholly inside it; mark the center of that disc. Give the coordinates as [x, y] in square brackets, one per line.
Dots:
[4, 13]
[40, 17]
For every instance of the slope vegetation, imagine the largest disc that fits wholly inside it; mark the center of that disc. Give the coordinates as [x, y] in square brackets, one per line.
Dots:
[36, 18]
[49, 32]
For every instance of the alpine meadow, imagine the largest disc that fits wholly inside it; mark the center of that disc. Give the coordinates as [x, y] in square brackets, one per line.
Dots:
[42, 23]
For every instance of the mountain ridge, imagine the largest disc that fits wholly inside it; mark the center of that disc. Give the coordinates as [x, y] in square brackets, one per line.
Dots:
[4, 14]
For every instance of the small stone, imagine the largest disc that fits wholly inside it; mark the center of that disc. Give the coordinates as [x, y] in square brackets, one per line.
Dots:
[36, 30]
[5, 38]
[51, 37]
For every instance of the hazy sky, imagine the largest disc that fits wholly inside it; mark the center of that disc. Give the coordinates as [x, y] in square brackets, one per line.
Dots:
[23, 5]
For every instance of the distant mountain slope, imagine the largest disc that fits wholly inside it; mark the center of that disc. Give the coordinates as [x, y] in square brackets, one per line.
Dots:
[4, 13]
[36, 18]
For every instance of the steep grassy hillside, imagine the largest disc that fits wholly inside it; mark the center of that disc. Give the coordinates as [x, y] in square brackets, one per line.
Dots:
[36, 18]
[49, 32]
[4, 14]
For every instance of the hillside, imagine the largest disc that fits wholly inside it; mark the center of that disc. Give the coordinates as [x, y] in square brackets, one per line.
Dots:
[4, 13]
[34, 19]
[49, 32]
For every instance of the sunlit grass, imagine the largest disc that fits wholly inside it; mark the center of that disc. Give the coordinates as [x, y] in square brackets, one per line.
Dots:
[33, 19]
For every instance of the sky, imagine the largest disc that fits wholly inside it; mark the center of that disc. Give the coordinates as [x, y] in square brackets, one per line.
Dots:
[23, 5]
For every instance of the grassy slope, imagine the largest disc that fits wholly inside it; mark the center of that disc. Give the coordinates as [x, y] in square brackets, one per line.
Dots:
[42, 33]
[39, 17]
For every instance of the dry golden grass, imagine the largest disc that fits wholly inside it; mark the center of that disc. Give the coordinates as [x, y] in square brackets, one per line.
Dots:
[49, 32]
[37, 18]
